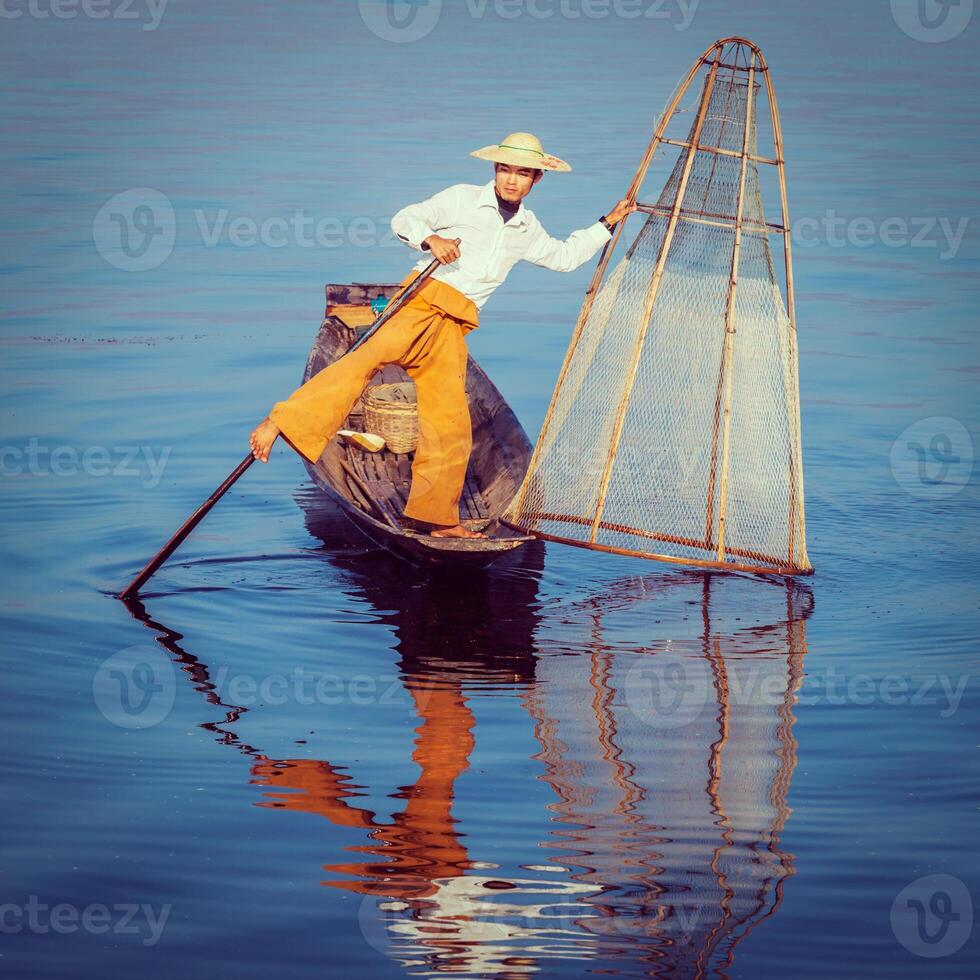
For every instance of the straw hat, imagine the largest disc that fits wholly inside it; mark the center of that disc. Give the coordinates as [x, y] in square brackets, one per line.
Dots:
[521, 150]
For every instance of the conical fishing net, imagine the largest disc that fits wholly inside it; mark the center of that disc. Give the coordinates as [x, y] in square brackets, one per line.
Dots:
[674, 428]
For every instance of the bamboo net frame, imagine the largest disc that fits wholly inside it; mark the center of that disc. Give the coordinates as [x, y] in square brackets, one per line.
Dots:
[751, 492]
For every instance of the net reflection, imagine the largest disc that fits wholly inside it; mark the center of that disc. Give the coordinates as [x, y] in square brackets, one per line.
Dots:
[667, 762]
[671, 766]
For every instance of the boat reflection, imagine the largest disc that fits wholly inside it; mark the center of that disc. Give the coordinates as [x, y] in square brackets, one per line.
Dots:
[668, 765]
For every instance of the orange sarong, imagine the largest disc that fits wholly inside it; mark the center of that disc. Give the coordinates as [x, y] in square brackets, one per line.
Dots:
[426, 338]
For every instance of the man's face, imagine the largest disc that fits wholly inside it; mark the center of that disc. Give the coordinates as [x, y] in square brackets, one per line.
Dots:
[514, 183]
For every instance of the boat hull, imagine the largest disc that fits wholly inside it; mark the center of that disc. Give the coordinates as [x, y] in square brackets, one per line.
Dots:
[371, 488]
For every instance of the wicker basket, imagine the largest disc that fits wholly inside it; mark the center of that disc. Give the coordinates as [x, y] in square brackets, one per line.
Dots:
[392, 412]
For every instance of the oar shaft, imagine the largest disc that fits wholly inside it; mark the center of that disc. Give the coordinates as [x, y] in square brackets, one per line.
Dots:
[399, 300]
[175, 542]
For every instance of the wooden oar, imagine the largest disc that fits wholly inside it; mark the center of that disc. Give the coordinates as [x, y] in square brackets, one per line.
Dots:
[174, 543]
[396, 303]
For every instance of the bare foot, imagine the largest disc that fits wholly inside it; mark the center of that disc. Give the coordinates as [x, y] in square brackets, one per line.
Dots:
[261, 440]
[456, 532]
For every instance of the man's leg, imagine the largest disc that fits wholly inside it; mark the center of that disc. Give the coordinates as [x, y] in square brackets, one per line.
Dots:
[312, 414]
[445, 432]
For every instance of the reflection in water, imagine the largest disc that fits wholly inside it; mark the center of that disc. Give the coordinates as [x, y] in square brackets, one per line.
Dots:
[669, 766]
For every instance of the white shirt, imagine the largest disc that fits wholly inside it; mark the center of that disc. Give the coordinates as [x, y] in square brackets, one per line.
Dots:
[488, 247]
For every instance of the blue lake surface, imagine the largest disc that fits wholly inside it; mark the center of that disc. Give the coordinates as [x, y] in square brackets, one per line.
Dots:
[331, 763]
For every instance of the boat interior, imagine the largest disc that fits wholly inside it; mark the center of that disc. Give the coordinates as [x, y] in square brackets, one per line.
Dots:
[378, 483]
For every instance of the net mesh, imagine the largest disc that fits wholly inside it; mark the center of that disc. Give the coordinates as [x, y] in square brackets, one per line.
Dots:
[632, 455]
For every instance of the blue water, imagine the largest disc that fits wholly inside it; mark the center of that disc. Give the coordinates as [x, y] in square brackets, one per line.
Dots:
[346, 766]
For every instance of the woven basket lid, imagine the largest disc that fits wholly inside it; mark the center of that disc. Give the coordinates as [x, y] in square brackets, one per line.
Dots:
[403, 392]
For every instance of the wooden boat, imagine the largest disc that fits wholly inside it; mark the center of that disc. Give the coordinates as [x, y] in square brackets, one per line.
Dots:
[372, 488]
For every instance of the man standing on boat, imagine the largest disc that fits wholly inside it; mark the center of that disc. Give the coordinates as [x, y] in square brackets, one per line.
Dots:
[426, 336]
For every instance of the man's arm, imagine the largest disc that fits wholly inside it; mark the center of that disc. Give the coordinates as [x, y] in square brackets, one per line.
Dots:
[416, 222]
[579, 247]
[563, 256]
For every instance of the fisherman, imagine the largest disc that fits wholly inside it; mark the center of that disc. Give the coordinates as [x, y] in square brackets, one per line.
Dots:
[426, 336]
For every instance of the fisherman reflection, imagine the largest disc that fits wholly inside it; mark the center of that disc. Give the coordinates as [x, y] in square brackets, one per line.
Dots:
[431, 896]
